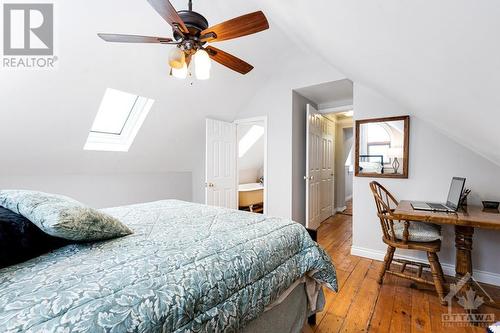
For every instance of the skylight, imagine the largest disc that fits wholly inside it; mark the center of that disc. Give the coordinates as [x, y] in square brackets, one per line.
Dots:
[114, 111]
[118, 121]
[249, 139]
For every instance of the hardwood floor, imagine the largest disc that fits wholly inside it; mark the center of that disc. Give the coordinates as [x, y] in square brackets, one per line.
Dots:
[362, 305]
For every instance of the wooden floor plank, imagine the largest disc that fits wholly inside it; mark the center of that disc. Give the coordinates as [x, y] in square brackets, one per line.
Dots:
[346, 295]
[420, 314]
[381, 319]
[330, 324]
[361, 309]
[330, 295]
[401, 311]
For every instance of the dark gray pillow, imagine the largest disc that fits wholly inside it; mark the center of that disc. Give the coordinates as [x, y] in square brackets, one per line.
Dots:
[63, 217]
[21, 240]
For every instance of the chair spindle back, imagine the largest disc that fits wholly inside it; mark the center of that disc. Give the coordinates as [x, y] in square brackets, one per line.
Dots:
[386, 203]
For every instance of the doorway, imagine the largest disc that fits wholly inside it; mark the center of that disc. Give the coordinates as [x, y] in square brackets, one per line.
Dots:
[323, 141]
[236, 164]
[252, 164]
[329, 145]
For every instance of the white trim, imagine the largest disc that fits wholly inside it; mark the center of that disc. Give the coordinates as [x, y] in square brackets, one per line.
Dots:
[340, 209]
[337, 109]
[247, 121]
[481, 276]
[346, 123]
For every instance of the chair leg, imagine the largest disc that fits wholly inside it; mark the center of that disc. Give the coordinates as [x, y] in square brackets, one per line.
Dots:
[387, 263]
[437, 275]
[441, 274]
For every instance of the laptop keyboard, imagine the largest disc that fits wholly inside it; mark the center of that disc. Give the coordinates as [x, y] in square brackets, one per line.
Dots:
[436, 206]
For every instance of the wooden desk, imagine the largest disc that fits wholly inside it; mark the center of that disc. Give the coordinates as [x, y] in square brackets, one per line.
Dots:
[465, 221]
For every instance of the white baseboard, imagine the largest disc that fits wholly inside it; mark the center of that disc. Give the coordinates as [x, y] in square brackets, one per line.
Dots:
[340, 209]
[481, 276]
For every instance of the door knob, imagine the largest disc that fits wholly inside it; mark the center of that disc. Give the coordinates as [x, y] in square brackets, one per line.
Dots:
[209, 185]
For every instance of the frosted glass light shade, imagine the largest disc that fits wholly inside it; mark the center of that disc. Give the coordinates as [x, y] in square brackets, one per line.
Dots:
[180, 73]
[177, 58]
[203, 64]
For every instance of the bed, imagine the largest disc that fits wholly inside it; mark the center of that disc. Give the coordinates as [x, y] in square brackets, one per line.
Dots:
[186, 268]
[371, 164]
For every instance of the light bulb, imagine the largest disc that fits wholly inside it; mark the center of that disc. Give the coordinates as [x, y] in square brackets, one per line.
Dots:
[177, 58]
[203, 64]
[180, 73]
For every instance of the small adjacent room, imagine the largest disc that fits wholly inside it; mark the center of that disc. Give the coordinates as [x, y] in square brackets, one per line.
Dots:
[249, 166]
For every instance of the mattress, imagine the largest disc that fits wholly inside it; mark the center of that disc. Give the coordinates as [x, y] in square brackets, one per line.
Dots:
[186, 268]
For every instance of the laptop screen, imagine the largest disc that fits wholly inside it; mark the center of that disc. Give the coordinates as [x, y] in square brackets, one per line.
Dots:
[456, 188]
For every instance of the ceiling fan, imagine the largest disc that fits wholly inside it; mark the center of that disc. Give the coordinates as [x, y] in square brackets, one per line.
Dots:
[191, 33]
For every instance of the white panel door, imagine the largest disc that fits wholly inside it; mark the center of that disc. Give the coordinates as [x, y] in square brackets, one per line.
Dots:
[220, 165]
[313, 167]
[327, 169]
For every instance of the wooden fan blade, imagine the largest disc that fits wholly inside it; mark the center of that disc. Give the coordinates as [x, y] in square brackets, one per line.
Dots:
[229, 60]
[169, 14]
[241, 26]
[117, 38]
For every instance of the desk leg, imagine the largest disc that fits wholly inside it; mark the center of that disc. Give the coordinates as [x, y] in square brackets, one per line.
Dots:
[463, 244]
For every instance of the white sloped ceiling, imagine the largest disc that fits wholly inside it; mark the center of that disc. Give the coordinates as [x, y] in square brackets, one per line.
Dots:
[439, 59]
[45, 116]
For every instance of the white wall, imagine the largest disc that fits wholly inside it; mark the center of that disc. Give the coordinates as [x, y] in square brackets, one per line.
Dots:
[274, 100]
[434, 159]
[343, 141]
[106, 190]
[349, 178]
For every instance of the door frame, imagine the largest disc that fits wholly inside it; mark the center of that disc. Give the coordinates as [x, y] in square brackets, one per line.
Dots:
[340, 135]
[249, 121]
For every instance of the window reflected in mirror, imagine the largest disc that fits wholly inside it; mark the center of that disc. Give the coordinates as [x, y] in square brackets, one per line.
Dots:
[382, 147]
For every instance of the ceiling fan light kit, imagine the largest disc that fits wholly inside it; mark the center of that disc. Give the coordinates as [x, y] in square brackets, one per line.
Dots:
[179, 73]
[176, 58]
[191, 33]
[202, 65]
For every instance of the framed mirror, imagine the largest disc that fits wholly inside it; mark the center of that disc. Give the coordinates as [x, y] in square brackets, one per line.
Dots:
[382, 147]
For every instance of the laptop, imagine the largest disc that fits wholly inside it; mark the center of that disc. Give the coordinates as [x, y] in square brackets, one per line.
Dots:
[452, 203]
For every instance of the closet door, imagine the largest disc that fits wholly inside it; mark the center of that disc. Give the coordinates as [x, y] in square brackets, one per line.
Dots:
[220, 165]
[313, 167]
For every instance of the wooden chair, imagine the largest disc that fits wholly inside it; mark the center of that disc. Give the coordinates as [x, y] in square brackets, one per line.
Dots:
[411, 236]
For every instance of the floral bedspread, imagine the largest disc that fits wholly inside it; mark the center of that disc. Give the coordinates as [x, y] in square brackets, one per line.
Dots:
[186, 268]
